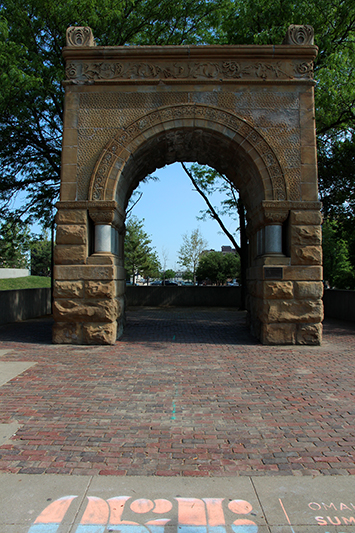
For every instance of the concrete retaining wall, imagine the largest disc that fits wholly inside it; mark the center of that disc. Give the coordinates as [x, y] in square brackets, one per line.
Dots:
[6, 273]
[339, 304]
[24, 304]
[177, 296]
[30, 303]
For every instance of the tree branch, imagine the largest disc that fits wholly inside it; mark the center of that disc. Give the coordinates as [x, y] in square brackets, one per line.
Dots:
[213, 212]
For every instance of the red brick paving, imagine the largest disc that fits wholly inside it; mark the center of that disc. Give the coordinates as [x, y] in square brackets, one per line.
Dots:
[186, 392]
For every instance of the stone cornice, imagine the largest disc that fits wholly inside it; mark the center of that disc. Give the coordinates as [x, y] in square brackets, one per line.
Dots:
[191, 53]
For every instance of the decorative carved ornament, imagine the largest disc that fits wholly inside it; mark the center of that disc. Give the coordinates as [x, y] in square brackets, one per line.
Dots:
[275, 216]
[107, 213]
[81, 72]
[304, 205]
[80, 36]
[276, 212]
[299, 35]
[125, 136]
[102, 215]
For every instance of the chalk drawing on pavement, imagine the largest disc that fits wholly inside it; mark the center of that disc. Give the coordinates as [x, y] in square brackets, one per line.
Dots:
[187, 515]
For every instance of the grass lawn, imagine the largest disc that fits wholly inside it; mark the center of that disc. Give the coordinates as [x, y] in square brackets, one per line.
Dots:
[28, 282]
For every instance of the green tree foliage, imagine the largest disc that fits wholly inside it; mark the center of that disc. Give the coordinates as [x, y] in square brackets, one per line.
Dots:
[263, 22]
[32, 35]
[140, 257]
[190, 251]
[167, 274]
[218, 268]
[14, 245]
[337, 268]
[338, 195]
[187, 275]
[41, 255]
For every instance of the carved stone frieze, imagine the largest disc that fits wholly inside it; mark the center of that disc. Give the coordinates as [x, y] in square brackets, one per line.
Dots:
[299, 35]
[126, 135]
[93, 71]
[80, 36]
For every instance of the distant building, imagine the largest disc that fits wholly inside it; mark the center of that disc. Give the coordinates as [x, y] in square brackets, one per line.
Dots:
[228, 250]
[224, 249]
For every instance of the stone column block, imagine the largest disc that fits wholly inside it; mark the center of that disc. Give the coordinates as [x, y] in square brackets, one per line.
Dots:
[306, 255]
[120, 287]
[96, 333]
[78, 311]
[68, 289]
[71, 234]
[100, 289]
[67, 333]
[278, 289]
[295, 311]
[71, 216]
[306, 217]
[312, 290]
[309, 334]
[306, 235]
[70, 254]
[276, 334]
[273, 239]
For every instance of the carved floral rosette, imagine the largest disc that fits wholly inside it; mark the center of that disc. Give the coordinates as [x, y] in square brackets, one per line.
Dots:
[127, 135]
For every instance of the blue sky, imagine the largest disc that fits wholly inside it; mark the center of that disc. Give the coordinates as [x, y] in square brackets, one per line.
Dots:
[169, 208]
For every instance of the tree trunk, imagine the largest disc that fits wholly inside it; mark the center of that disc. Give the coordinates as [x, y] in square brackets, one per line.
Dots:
[243, 252]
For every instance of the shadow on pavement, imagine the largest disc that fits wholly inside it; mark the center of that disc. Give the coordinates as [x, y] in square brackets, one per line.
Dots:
[149, 325]
[34, 331]
[334, 327]
[177, 324]
[187, 325]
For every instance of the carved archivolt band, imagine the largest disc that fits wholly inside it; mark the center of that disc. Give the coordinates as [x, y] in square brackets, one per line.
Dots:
[121, 143]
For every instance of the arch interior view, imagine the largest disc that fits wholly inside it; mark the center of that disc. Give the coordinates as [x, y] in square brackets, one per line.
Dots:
[246, 111]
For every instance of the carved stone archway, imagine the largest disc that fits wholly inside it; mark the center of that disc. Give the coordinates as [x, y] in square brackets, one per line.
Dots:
[247, 111]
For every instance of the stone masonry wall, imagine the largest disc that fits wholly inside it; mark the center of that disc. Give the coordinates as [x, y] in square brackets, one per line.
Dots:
[88, 297]
[290, 310]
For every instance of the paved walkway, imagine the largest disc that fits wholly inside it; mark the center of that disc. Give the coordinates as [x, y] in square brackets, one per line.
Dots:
[185, 392]
[105, 504]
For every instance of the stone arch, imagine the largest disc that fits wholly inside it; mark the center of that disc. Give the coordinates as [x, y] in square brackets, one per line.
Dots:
[247, 111]
[230, 130]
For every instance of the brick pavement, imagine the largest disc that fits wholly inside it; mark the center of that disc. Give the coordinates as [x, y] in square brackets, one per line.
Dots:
[185, 392]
